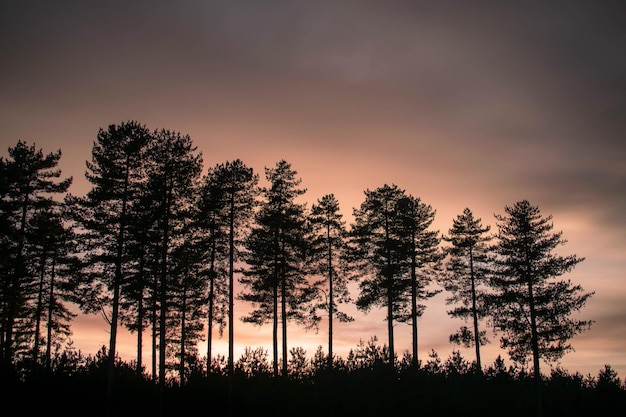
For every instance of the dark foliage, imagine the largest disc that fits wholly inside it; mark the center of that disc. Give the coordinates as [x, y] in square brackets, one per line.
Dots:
[449, 389]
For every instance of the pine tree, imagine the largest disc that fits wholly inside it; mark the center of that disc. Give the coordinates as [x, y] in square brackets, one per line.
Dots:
[468, 268]
[28, 185]
[53, 242]
[531, 308]
[137, 296]
[275, 276]
[378, 254]
[173, 182]
[213, 245]
[187, 300]
[329, 260]
[227, 204]
[117, 174]
[423, 259]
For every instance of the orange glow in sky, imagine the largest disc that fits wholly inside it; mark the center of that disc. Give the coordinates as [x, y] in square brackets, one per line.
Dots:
[460, 106]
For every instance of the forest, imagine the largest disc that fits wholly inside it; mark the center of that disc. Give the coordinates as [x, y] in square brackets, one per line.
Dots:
[158, 242]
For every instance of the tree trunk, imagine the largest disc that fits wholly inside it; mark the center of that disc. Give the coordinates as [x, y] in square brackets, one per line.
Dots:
[117, 281]
[330, 299]
[231, 300]
[183, 331]
[39, 311]
[475, 312]
[51, 304]
[414, 308]
[389, 298]
[163, 296]
[209, 353]
[140, 313]
[231, 283]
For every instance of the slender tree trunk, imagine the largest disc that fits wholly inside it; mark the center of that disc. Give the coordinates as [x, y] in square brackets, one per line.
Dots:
[283, 314]
[389, 299]
[231, 299]
[51, 305]
[140, 313]
[209, 353]
[390, 327]
[39, 311]
[283, 301]
[183, 332]
[155, 325]
[163, 297]
[475, 312]
[231, 284]
[534, 337]
[535, 347]
[275, 328]
[415, 360]
[330, 299]
[117, 281]
[275, 312]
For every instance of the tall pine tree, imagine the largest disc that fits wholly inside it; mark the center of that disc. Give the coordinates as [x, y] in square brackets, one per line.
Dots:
[467, 270]
[328, 259]
[531, 307]
[117, 174]
[52, 247]
[227, 201]
[379, 253]
[275, 276]
[173, 181]
[423, 259]
[29, 184]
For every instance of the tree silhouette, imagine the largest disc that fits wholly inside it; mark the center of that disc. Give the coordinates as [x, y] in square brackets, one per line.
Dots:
[467, 270]
[227, 205]
[212, 225]
[28, 185]
[116, 172]
[329, 260]
[173, 180]
[275, 276]
[423, 258]
[187, 300]
[53, 243]
[378, 254]
[530, 308]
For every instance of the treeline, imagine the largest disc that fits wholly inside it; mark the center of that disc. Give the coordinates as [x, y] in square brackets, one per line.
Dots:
[360, 385]
[156, 246]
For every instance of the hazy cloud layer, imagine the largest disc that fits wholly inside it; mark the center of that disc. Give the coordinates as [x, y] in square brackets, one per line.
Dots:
[465, 105]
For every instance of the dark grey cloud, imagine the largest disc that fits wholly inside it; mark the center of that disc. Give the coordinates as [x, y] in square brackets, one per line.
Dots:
[491, 99]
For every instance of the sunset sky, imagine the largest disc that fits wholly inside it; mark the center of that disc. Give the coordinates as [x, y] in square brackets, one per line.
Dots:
[461, 105]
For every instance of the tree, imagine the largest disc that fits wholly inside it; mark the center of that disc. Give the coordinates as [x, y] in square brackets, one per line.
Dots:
[213, 246]
[52, 244]
[138, 293]
[117, 174]
[329, 260]
[227, 202]
[173, 182]
[423, 258]
[187, 287]
[275, 276]
[28, 185]
[530, 307]
[379, 253]
[468, 268]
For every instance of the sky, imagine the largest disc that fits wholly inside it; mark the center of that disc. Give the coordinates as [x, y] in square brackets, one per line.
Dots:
[462, 104]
